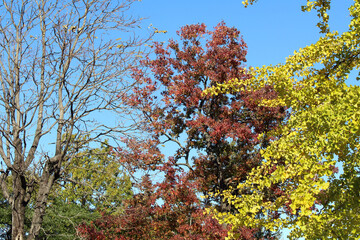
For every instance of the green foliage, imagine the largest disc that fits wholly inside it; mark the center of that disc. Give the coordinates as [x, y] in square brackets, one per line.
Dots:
[62, 218]
[59, 223]
[93, 183]
[94, 179]
[321, 135]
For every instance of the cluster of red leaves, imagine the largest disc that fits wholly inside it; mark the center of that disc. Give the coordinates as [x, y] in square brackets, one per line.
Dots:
[217, 137]
[166, 210]
[225, 126]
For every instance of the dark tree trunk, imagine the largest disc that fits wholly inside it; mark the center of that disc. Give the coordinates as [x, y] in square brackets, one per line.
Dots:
[50, 174]
[18, 207]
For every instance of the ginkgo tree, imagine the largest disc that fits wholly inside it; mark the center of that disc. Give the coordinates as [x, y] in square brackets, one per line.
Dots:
[318, 147]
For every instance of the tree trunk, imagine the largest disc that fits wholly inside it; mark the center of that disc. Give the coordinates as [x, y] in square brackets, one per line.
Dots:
[18, 222]
[18, 208]
[50, 174]
[38, 216]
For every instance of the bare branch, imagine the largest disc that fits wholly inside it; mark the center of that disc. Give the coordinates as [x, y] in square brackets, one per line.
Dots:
[62, 64]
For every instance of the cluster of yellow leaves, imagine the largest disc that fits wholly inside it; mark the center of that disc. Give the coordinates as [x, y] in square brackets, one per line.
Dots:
[323, 130]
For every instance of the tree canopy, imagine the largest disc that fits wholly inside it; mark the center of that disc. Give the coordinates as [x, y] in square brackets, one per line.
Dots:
[255, 150]
[318, 147]
[61, 64]
[215, 137]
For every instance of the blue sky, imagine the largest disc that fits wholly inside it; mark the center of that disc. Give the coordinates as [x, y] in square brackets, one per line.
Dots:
[272, 29]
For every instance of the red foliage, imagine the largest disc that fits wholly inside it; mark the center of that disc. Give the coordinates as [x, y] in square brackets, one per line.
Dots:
[217, 137]
[224, 127]
[166, 210]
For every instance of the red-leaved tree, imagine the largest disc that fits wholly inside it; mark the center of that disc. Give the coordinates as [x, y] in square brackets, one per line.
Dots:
[214, 138]
[178, 216]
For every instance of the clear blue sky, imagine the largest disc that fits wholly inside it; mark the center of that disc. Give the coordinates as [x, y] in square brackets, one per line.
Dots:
[272, 29]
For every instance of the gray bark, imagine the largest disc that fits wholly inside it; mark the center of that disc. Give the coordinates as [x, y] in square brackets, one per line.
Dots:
[62, 63]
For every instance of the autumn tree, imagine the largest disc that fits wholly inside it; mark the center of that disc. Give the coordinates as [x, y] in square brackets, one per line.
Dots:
[223, 129]
[215, 137]
[168, 209]
[319, 145]
[61, 64]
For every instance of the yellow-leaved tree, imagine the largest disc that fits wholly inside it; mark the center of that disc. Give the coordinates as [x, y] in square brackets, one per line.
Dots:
[314, 159]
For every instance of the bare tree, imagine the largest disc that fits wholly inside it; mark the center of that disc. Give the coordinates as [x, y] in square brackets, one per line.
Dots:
[62, 64]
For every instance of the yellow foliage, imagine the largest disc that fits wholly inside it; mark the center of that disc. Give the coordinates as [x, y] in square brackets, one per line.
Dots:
[323, 130]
